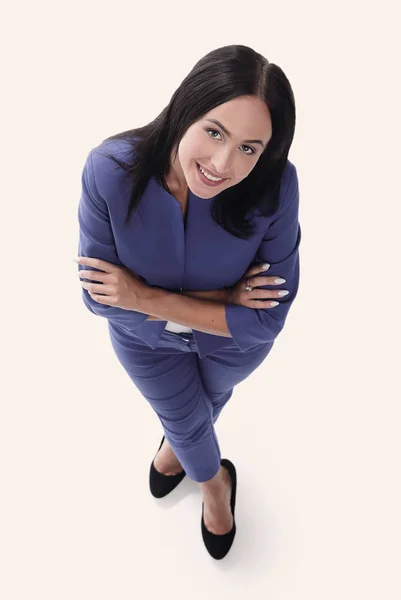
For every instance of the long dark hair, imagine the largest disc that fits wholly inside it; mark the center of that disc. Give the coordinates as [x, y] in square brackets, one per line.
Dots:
[220, 76]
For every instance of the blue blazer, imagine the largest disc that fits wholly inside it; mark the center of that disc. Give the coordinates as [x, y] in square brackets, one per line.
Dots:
[198, 256]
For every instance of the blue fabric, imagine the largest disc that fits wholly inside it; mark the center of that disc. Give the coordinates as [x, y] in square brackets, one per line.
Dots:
[198, 256]
[187, 392]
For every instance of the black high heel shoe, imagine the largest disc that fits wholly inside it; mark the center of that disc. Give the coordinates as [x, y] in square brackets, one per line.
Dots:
[219, 545]
[160, 484]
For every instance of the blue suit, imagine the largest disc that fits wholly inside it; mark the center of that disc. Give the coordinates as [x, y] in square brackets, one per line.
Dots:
[187, 378]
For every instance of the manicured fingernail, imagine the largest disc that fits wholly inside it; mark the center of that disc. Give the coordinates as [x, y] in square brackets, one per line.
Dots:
[279, 280]
[76, 260]
[274, 303]
[265, 266]
[283, 293]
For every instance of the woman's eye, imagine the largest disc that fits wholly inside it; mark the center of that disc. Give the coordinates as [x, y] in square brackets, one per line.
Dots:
[252, 151]
[213, 130]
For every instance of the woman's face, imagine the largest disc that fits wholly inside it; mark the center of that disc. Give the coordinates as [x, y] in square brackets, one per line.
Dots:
[228, 150]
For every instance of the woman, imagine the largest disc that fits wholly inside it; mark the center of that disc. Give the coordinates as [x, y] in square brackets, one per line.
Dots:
[179, 221]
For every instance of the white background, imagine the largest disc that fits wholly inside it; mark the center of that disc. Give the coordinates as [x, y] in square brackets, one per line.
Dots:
[314, 432]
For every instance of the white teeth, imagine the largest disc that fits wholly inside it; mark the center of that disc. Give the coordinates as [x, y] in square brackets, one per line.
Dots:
[209, 176]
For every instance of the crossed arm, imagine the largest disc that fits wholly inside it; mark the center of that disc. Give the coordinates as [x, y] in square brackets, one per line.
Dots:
[201, 310]
[206, 311]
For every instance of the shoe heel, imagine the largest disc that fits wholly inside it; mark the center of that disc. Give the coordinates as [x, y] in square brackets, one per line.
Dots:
[159, 484]
[217, 545]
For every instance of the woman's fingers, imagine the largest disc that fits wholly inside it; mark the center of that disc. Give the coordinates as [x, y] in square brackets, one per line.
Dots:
[263, 305]
[266, 294]
[93, 275]
[257, 269]
[259, 281]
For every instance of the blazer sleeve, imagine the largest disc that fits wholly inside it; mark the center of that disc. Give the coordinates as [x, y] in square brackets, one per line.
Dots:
[279, 248]
[96, 240]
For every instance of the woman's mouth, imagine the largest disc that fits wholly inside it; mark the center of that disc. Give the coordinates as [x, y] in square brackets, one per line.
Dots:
[204, 179]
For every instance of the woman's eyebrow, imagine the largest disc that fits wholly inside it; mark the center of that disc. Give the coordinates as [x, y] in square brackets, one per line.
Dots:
[216, 122]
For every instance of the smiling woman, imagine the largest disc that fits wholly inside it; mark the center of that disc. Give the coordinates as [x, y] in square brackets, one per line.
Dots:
[220, 162]
[251, 104]
[218, 197]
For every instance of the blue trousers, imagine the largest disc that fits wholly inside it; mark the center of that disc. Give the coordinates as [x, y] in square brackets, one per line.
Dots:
[186, 392]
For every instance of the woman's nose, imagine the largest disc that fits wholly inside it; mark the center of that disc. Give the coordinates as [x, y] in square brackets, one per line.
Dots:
[221, 165]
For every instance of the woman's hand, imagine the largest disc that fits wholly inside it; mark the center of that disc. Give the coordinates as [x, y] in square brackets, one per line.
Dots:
[256, 298]
[121, 287]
